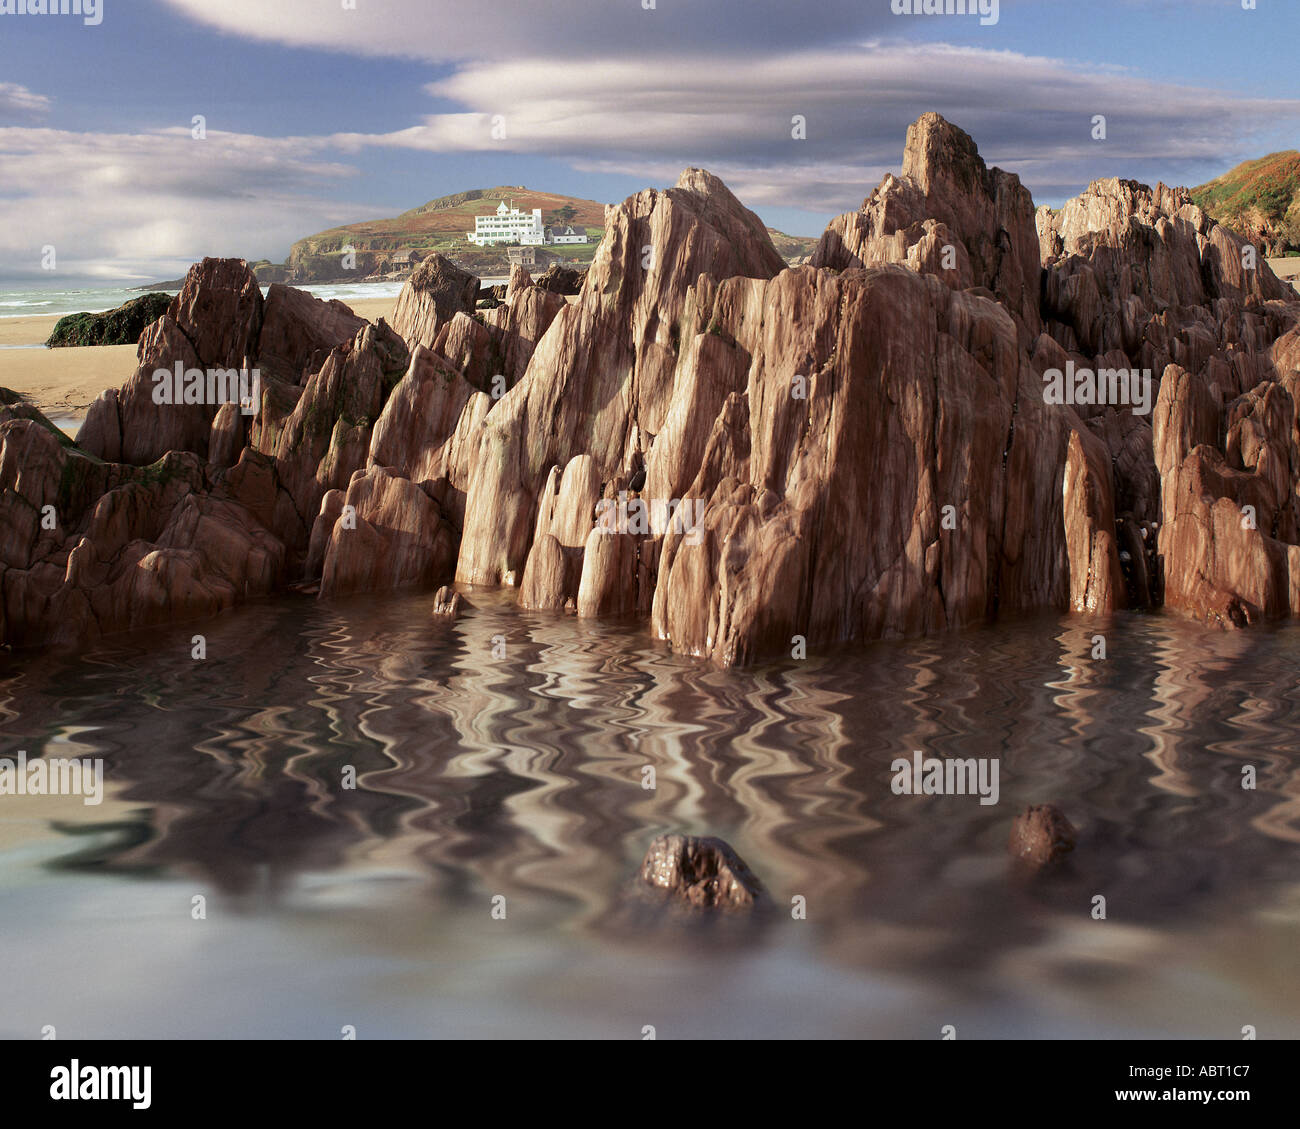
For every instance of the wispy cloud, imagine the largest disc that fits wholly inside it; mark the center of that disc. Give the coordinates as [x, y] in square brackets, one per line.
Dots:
[736, 116]
[578, 31]
[19, 103]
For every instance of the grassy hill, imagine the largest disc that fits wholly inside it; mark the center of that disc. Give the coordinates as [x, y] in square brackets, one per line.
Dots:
[441, 225]
[1260, 200]
[791, 247]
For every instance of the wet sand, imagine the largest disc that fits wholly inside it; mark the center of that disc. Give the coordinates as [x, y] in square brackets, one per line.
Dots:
[64, 382]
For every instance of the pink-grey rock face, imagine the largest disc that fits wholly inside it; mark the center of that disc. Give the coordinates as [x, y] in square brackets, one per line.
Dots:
[831, 517]
[130, 547]
[432, 295]
[946, 198]
[601, 377]
[219, 321]
[298, 332]
[388, 534]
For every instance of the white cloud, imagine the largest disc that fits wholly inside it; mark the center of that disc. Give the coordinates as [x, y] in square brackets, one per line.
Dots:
[18, 102]
[582, 30]
[115, 206]
[1030, 114]
[148, 204]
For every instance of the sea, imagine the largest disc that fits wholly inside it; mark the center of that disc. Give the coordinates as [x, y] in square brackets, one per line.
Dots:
[56, 303]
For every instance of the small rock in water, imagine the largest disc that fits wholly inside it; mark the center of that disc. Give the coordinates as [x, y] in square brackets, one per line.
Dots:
[1041, 836]
[446, 603]
[703, 873]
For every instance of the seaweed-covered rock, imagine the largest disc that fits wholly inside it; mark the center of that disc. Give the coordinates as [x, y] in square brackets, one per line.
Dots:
[121, 326]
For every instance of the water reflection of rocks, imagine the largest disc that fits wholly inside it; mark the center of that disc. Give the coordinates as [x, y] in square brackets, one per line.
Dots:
[523, 776]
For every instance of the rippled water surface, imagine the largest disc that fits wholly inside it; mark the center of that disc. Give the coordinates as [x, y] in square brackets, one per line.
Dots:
[480, 775]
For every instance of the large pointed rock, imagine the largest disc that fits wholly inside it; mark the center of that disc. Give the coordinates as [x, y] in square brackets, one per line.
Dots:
[436, 291]
[601, 378]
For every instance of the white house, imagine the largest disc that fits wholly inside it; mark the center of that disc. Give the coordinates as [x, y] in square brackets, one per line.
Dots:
[566, 233]
[508, 225]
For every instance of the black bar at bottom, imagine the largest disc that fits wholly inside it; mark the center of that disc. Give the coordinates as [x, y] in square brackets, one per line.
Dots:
[336, 1078]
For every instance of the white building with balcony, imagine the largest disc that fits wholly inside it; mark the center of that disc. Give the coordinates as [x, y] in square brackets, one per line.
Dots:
[508, 225]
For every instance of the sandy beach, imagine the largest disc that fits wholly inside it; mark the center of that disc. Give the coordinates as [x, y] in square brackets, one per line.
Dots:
[1287, 269]
[64, 382]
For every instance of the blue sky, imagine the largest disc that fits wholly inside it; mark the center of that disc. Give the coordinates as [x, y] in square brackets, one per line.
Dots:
[318, 115]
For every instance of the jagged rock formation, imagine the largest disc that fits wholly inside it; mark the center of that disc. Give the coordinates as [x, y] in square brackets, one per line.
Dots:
[957, 409]
[437, 290]
[947, 198]
[601, 378]
[1142, 279]
[559, 279]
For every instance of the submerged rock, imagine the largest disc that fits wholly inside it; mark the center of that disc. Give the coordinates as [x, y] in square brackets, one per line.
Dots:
[1041, 836]
[702, 873]
[447, 603]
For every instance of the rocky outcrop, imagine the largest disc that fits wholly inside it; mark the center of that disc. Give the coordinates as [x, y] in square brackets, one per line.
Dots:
[829, 517]
[1142, 279]
[1229, 536]
[324, 438]
[177, 510]
[92, 548]
[299, 331]
[959, 409]
[949, 214]
[434, 293]
[121, 326]
[384, 533]
[492, 349]
[600, 379]
[217, 324]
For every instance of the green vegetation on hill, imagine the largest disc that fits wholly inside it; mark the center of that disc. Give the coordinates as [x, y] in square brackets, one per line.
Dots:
[792, 246]
[1260, 200]
[441, 226]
